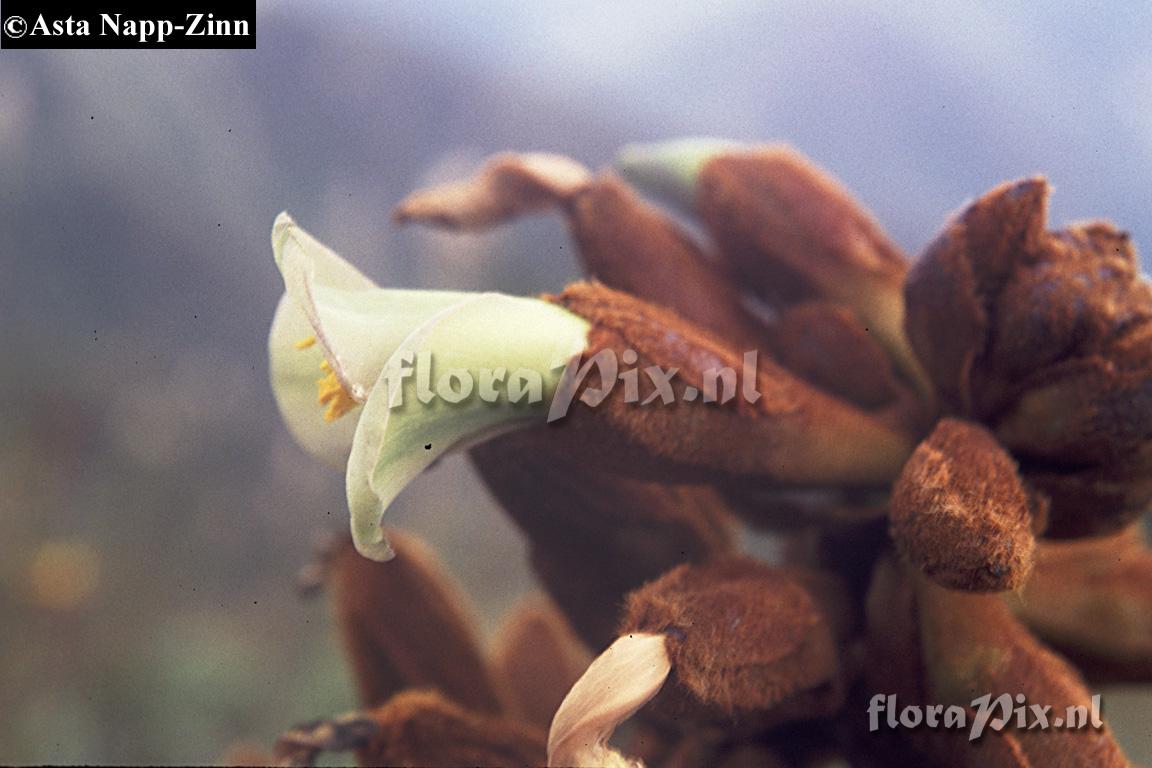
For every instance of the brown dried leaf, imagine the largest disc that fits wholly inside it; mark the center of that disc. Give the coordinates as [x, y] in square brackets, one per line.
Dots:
[509, 185]
[960, 512]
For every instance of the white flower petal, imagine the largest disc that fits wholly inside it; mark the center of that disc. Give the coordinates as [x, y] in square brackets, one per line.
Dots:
[293, 373]
[357, 324]
[399, 436]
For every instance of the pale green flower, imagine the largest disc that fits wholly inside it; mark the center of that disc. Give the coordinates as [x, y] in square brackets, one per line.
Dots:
[342, 350]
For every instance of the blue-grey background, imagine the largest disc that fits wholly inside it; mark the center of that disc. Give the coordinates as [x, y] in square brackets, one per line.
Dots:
[153, 510]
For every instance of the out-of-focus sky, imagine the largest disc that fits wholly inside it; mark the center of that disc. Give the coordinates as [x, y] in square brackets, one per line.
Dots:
[141, 455]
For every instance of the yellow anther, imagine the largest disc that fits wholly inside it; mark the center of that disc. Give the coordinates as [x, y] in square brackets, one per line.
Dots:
[331, 393]
[330, 390]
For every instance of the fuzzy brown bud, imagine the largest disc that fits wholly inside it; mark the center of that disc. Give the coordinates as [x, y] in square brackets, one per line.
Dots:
[746, 641]
[960, 513]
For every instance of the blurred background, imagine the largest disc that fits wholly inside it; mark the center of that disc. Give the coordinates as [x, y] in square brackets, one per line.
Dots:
[154, 510]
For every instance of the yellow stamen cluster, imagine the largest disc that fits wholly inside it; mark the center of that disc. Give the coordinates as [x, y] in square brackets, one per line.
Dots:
[330, 390]
[332, 393]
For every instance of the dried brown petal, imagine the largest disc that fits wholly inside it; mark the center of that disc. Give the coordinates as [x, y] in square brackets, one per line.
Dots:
[744, 639]
[973, 646]
[1092, 601]
[538, 658]
[790, 433]
[620, 681]
[629, 245]
[424, 728]
[960, 512]
[508, 185]
[407, 624]
[795, 233]
[596, 536]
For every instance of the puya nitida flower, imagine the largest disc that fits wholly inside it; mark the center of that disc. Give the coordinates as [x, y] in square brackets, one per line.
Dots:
[362, 340]
[910, 433]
